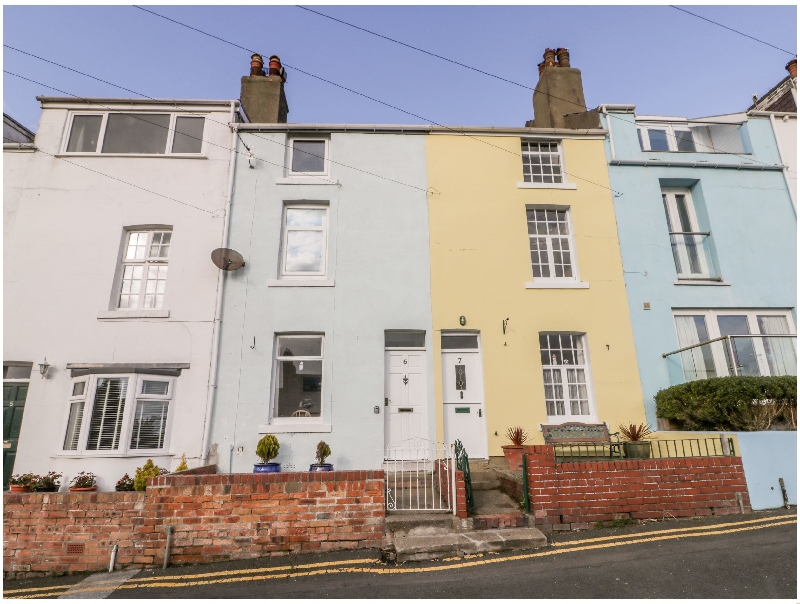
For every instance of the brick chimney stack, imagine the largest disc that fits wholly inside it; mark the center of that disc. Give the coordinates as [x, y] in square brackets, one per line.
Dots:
[262, 96]
[558, 100]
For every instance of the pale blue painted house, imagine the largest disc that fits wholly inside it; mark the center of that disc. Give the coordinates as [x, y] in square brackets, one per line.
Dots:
[707, 230]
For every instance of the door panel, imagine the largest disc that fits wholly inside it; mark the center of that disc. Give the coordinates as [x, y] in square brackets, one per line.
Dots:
[406, 395]
[462, 385]
[14, 395]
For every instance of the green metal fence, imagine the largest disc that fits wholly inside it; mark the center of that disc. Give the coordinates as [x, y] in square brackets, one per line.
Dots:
[462, 463]
[713, 446]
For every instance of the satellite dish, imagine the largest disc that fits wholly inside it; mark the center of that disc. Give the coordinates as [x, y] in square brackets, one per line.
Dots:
[227, 259]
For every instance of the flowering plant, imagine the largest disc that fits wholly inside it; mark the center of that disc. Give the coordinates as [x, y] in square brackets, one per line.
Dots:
[48, 482]
[125, 484]
[24, 480]
[83, 480]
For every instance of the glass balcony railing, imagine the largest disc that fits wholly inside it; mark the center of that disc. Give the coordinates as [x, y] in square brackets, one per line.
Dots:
[766, 355]
[693, 258]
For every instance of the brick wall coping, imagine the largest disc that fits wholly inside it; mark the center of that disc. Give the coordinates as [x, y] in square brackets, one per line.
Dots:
[266, 478]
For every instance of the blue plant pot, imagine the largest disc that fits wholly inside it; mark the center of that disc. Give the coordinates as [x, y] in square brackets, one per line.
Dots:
[321, 467]
[263, 468]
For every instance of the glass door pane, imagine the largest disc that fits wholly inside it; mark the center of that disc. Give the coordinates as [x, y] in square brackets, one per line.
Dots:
[742, 360]
[780, 352]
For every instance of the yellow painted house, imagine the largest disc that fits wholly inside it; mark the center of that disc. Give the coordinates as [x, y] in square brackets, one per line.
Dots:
[530, 315]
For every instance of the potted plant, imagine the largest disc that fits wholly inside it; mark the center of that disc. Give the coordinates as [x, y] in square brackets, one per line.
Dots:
[49, 483]
[513, 452]
[124, 484]
[636, 447]
[84, 481]
[21, 483]
[266, 450]
[148, 470]
[323, 452]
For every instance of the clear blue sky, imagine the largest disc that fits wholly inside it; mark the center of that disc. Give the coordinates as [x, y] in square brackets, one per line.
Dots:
[664, 61]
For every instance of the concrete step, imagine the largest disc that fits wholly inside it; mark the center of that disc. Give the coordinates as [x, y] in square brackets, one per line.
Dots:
[441, 545]
[415, 523]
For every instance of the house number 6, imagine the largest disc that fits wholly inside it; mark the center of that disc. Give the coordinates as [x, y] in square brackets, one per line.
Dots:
[405, 361]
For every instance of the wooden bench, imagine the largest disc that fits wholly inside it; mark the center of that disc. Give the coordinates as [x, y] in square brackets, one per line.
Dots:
[582, 440]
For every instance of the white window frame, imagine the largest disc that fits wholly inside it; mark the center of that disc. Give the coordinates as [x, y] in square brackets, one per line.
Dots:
[672, 141]
[564, 184]
[673, 221]
[277, 358]
[146, 263]
[315, 139]
[101, 136]
[712, 327]
[298, 275]
[132, 396]
[553, 280]
[587, 369]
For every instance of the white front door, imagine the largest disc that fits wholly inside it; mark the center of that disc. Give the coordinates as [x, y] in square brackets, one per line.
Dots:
[462, 386]
[405, 405]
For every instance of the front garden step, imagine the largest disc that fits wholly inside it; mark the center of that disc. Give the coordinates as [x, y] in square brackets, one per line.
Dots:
[443, 545]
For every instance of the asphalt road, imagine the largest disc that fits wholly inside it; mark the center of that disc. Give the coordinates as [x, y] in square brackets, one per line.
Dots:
[751, 556]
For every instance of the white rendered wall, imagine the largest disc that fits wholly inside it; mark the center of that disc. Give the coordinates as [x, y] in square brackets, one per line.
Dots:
[64, 227]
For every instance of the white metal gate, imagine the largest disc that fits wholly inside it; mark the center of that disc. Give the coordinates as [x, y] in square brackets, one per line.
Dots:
[419, 476]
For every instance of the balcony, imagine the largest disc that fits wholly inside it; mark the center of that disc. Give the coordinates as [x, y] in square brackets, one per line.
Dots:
[693, 258]
[756, 355]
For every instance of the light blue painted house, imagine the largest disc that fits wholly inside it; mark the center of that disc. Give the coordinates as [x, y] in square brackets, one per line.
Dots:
[708, 233]
[332, 222]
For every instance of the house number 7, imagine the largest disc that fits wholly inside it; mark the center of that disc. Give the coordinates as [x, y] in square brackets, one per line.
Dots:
[459, 359]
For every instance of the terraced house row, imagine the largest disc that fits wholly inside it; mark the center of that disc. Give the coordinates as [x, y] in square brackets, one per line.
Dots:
[398, 282]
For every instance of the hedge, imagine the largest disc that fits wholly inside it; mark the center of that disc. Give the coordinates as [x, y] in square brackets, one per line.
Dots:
[736, 403]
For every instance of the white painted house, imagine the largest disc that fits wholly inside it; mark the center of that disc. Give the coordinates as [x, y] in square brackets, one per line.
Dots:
[110, 296]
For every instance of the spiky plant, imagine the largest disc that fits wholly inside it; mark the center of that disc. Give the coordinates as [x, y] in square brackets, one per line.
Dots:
[517, 435]
[634, 433]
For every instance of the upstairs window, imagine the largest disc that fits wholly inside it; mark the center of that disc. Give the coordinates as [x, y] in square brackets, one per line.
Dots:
[691, 248]
[135, 133]
[144, 270]
[690, 138]
[308, 156]
[552, 248]
[305, 241]
[541, 162]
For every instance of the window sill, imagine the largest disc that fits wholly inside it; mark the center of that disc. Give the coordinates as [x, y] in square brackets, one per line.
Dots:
[108, 454]
[150, 155]
[307, 180]
[300, 283]
[557, 285]
[547, 185]
[293, 428]
[700, 282]
[107, 315]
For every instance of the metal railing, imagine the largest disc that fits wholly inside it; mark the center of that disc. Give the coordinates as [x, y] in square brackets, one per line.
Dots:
[462, 463]
[710, 446]
[767, 355]
[692, 255]
[418, 476]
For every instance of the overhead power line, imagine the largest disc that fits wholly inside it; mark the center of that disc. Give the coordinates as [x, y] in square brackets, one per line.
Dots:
[733, 30]
[549, 95]
[366, 96]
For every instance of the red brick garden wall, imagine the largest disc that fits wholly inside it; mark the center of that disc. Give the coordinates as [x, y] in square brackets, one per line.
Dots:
[215, 517]
[575, 495]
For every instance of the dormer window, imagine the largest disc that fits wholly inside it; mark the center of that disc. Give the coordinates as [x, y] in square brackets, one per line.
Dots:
[689, 137]
[135, 133]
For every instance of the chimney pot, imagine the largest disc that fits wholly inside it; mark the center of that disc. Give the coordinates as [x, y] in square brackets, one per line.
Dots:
[257, 65]
[541, 68]
[549, 57]
[275, 67]
[563, 57]
[791, 67]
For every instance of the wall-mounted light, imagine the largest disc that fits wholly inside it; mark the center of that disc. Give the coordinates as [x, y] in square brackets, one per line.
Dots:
[44, 366]
[462, 320]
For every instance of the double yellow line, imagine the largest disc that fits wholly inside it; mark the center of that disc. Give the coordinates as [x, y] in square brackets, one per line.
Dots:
[361, 565]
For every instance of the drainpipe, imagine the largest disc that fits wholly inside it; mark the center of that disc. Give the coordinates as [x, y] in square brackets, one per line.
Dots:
[604, 109]
[780, 156]
[212, 372]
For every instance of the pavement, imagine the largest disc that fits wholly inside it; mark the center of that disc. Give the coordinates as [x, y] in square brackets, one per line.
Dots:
[739, 556]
